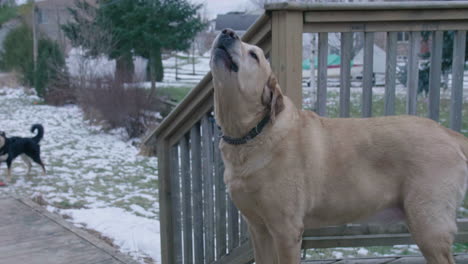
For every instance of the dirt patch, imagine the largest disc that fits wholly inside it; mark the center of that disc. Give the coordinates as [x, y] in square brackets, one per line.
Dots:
[99, 235]
[110, 242]
[39, 200]
[149, 260]
[10, 79]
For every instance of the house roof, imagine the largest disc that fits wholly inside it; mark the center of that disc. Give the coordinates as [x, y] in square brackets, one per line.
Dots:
[59, 3]
[235, 21]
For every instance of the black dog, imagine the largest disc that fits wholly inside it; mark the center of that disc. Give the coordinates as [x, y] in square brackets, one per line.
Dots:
[28, 148]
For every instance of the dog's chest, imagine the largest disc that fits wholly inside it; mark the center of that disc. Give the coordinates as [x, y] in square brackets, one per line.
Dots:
[244, 177]
[246, 194]
[243, 163]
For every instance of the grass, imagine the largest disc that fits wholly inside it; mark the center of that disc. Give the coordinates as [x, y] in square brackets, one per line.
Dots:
[184, 60]
[176, 94]
[400, 107]
[375, 251]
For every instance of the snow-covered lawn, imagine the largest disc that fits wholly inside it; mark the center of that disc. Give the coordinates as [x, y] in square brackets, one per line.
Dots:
[95, 177]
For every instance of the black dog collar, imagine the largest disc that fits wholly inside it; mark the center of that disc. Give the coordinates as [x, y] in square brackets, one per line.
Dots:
[251, 135]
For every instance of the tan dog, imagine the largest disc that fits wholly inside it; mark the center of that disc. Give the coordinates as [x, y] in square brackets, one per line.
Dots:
[305, 171]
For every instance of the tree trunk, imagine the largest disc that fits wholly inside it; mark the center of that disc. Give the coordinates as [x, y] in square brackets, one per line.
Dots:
[152, 73]
[124, 68]
[155, 61]
[176, 67]
[312, 66]
[158, 65]
[193, 57]
[445, 79]
[155, 69]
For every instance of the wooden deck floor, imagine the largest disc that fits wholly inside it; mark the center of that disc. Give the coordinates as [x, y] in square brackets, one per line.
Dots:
[459, 259]
[31, 235]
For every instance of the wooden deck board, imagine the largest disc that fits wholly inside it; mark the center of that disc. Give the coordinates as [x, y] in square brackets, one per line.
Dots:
[459, 259]
[31, 235]
[367, 261]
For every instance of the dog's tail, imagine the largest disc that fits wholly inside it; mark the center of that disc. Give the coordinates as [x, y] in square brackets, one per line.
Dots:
[40, 132]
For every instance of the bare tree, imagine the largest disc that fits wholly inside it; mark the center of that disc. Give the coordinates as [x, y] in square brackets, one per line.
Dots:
[89, 34]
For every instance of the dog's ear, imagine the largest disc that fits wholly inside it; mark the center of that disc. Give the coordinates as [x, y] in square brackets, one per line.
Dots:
[272, 97]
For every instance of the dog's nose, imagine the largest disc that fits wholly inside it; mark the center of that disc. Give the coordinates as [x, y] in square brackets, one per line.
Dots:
[229, 33]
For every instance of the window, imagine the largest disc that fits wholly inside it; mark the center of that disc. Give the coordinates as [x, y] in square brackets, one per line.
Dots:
[41, 17]
[403, 36]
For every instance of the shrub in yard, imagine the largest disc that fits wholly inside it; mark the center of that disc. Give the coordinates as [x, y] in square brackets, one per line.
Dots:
[158, 68]
[423, 77]
[17, 56]
[60, 90]
[50, 64]
[107, 99]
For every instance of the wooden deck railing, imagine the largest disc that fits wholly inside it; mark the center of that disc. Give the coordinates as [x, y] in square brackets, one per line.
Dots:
[199, 223]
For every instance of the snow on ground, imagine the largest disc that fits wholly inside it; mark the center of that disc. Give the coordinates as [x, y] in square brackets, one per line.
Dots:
[95, 177]
[79, 65]
[131, 233]
[188, 74]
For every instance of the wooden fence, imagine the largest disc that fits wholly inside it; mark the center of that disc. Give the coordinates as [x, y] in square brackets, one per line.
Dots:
[199, 223]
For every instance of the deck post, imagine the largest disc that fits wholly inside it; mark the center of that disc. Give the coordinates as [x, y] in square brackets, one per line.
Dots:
[165, 202]
[286, 52]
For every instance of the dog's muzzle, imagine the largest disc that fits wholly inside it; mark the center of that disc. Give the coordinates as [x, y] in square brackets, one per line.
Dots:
[225, 42]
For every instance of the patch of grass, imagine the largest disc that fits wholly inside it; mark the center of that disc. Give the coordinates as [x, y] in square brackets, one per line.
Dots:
[374, 251]
[143, 202]
[66, 204]
[460, 247]
[400, 107]
[184, 60]
[174, 93]
[183, 57]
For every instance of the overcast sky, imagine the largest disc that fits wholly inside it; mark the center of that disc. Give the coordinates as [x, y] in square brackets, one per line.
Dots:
[215, 7]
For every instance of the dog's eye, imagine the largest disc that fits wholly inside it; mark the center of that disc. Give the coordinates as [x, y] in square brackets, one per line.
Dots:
[253, 55]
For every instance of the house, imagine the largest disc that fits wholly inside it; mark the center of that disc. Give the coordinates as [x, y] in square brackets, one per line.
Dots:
[238, 21]
[402, 43]
[50, 15]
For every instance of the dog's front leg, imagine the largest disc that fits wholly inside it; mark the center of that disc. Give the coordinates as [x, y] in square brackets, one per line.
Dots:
[262, 241]
[8, 179]
[287, 239]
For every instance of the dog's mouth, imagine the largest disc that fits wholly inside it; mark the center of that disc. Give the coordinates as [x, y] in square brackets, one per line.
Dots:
[222, 53]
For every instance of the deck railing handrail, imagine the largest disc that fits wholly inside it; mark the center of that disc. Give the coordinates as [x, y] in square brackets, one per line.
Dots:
[328, 6]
